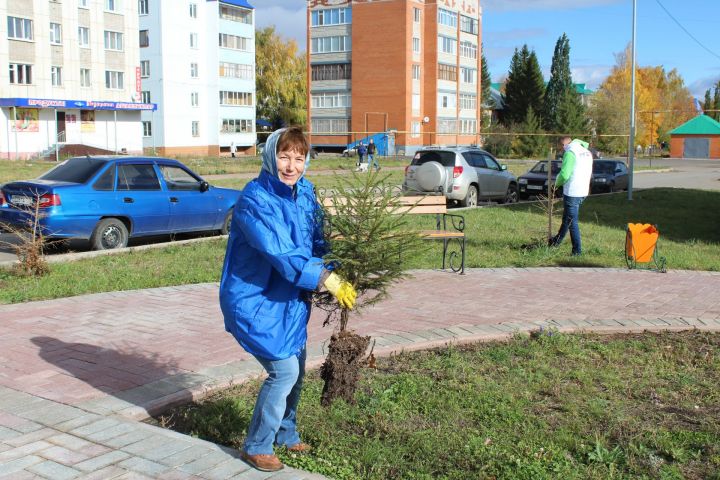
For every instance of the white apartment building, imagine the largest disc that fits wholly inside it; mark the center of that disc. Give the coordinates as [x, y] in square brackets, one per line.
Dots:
[197, 63]
[70, 75]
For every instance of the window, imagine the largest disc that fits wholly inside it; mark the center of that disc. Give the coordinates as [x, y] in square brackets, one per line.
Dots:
[447, 125]
[331, 100]
[469, 75]
[193, 40]
[416, 15]
[332, 71]
[195, 128]
[20, 28]
[83, 3]
[85, 77]
[468, 101]
[137, 177]
[469, 127]
[236, 70]
[114, 80]
[447, 100]
[147, 129]
[112, 5]
[416, 72]
[193, 10]
[330, 125]
[233, 125]
[447, 72]
[194, 99]
[447, 45]
[145, 96]
[144, 68]
[416, 45]
[20, 74]
[331, 16]
[144, 38]
[143, 9]
[331, 44]
[194, 70]
[468, 25]
[177, 178]
[84, 37]
[446, 17]
[113, 40]
[236, 98]
[416, 102]
[234, 42]
[236, 14]
[106, 182]
[414, 129]
[55, 34]
[56, 76]
[468, 50]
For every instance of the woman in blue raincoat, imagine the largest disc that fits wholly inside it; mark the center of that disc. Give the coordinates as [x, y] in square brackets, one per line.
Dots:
[272, 265]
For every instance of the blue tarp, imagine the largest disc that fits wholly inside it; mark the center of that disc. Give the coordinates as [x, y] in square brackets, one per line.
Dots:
[383, 142]
[263, 123]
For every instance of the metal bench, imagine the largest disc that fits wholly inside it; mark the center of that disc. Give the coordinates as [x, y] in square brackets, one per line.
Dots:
[448, 227]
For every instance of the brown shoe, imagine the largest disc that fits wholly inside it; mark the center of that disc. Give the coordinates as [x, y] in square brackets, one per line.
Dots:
[262, 462]
[299, 448]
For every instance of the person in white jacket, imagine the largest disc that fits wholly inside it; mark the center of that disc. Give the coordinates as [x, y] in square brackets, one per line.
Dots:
[574, 177]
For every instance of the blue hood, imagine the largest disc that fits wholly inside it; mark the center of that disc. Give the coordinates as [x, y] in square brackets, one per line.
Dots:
[269, 155]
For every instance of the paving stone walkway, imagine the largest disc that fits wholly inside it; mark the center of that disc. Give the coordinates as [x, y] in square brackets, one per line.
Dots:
[77, 374]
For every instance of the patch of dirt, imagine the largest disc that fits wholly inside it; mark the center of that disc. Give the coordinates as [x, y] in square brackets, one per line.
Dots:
[341, 370]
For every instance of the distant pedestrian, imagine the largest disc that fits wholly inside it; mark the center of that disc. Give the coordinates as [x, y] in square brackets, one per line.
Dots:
[233, 149]
[371, 150]
[362, 151]
[574, 177]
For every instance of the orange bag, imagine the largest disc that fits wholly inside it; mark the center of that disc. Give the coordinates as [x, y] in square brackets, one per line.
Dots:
[640, 241]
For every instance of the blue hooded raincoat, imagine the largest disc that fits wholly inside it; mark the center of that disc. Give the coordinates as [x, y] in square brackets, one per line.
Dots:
[274, 255]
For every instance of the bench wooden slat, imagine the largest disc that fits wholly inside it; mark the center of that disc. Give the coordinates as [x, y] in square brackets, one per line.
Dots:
[441, 234]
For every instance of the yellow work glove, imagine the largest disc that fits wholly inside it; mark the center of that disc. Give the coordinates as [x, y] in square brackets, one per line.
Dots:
[342, 290]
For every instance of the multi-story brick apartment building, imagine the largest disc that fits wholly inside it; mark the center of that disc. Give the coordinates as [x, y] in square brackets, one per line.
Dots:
[70, 75]
[406, 65]
[197, 62]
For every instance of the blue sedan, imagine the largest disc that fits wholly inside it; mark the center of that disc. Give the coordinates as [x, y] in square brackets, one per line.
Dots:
[109, 200]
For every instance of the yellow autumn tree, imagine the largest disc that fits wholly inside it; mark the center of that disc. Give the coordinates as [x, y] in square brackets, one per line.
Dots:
[661, 103]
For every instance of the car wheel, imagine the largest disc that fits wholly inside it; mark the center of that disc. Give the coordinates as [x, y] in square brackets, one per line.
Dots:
[511, 196]
[471, 197]
[110, 233]
[523, 196]
[226, 223]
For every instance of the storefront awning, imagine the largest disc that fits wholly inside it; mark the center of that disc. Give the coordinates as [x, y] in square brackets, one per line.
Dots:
[238, 3]
[80, 104]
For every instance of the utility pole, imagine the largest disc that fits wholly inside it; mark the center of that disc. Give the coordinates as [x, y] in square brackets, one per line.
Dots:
[631, 142]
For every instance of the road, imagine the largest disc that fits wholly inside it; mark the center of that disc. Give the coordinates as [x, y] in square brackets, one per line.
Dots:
[700, 174]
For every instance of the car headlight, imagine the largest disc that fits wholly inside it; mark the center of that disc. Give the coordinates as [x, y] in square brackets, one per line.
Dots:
[522, 181]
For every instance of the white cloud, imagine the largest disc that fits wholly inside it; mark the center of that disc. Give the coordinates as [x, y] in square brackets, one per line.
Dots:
[290, 21]
[701, 85]
[592, 75]
[515, 5]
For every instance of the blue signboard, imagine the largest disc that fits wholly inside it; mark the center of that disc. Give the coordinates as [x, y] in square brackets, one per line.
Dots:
[70, 104]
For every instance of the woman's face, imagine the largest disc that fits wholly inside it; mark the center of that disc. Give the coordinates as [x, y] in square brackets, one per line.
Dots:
[290, 165]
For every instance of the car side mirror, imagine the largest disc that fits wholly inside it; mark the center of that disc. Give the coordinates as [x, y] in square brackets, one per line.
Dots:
[204, 186]
[503, 167]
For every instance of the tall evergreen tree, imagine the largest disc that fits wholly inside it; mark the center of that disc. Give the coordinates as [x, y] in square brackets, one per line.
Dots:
[563, 111]
[524, 87]
[716, 102]
[485, 82]
[708, 103]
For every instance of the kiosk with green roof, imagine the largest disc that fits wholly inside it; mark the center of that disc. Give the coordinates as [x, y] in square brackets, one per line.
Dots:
[696, 138]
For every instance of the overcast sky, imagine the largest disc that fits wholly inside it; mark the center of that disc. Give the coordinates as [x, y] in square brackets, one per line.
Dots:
[598, 29]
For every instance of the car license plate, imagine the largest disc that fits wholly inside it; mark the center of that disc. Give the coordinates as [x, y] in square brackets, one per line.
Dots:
[534, 187]
[21, 200]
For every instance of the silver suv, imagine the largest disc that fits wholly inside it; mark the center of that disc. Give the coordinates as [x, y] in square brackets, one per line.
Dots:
[464, 174]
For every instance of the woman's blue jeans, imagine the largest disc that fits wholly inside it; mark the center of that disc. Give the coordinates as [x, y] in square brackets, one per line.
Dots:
[274, 418]
[571, 209]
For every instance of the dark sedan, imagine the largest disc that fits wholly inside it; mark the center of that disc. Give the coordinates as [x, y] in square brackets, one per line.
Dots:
[534, 182]
[609, 176]
[107, 200]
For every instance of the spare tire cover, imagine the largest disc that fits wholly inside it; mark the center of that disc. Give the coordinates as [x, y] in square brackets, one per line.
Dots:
[432, 175]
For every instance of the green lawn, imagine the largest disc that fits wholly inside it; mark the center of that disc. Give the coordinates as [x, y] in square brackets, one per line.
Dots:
[496, 237]
[552, 407]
